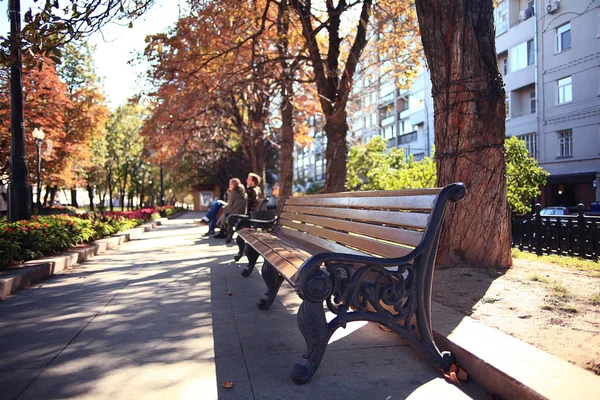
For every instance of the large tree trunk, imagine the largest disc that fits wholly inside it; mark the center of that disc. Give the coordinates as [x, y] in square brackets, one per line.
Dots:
[468, 97]
[286, 151]
[74, 197]
[90, 190]
[122, 199]
[46, 196]
[110, 189]
[336, 153]
[53, 195]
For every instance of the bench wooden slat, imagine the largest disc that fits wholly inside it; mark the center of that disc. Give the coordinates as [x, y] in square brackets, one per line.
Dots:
[382, 193]
[417, 203]
[401, 236]
[361, 243]
[313, 241]
[405, 219]
[283, 257]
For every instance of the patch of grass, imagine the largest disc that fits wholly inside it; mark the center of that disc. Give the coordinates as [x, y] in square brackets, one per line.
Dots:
[568, 308]
[595, 299]
[563, 261]
[560, 290]
[547, 307]
[537, 278]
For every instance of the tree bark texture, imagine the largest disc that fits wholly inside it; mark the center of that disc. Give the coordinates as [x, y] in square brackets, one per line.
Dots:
[286, 150]
[74, 197]
[468, 97]
[336, 152]
[90, 190]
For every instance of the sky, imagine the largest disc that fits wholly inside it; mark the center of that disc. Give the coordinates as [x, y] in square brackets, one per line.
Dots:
[117, 45]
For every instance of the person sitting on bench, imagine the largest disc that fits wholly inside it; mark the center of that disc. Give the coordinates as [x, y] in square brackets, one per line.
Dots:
[237, 204]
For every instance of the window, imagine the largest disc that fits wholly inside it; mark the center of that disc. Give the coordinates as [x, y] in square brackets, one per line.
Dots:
[530, 52]
[501, 17]
[565, 143]
[531, 143]
[418, 156]
[521, 55]
[388, 132]
[319, 166]
[532, 102]
[565, 94]
[505, 66]
[507, 105]
[405, 127]
[563, 37]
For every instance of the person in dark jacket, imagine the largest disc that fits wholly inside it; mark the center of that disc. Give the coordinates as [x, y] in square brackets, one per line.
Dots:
[237, 204]
[253, 191]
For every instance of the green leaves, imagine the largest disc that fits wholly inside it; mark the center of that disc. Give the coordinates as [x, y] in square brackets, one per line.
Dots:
[523, 176]
[371, 167]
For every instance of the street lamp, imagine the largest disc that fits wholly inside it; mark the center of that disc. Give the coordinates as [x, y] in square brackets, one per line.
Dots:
[162, 186]
[19, 191]
[38, 135]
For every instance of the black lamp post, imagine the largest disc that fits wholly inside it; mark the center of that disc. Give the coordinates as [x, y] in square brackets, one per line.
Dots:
[162, 187]
[19, 191]
[38, 135]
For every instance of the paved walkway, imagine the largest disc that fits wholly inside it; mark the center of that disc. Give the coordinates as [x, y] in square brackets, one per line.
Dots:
[154, 320]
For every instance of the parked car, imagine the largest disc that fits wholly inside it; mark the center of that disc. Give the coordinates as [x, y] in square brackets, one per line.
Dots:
[560, 211]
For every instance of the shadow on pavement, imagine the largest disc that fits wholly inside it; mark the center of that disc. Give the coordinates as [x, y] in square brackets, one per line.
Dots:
[155, 320]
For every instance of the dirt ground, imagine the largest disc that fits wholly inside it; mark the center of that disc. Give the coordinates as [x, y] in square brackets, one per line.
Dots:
[553, 308]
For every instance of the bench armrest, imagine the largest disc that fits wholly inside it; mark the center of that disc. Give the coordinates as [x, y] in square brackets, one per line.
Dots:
[240, 221]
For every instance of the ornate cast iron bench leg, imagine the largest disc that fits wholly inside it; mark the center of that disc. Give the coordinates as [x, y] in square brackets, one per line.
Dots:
[273, 279]
[252, 257]
[316, 332]
[241, 244]
[399, 299]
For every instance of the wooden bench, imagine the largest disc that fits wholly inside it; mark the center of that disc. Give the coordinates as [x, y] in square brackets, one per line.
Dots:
[368, 255]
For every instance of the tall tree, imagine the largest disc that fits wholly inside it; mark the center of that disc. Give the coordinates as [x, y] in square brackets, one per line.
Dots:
[335, 50]
[85, 119]
[46, 99]
[468, 96]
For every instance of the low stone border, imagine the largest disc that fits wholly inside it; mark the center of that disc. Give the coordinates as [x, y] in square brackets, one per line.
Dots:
[34, 271]
[177, 214]
[506, 367]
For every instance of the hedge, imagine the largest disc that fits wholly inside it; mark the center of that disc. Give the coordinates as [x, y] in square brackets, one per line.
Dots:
[44, 235]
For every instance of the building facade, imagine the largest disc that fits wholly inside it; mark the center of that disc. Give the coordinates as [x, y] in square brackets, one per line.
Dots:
[549, 56]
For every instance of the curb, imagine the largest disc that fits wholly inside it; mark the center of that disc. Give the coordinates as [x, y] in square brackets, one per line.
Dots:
[177, 214]
[36, 270]
[507, 367]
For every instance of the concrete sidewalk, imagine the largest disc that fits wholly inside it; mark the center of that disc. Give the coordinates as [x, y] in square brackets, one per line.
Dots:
[154, 320]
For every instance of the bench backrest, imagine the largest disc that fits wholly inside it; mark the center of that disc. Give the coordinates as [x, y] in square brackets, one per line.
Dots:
[382, 223]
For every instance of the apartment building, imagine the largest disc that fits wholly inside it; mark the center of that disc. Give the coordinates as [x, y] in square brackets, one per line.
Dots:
[549, 56]
[402, 117]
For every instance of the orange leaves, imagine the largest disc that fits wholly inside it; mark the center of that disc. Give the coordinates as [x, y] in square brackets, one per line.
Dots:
[455, 375]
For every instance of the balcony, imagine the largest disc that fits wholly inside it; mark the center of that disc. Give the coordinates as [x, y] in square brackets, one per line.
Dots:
[417, 118]
[387, 99]
[407, 138]
[388, 120]
[521, 78]
[515, 35]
